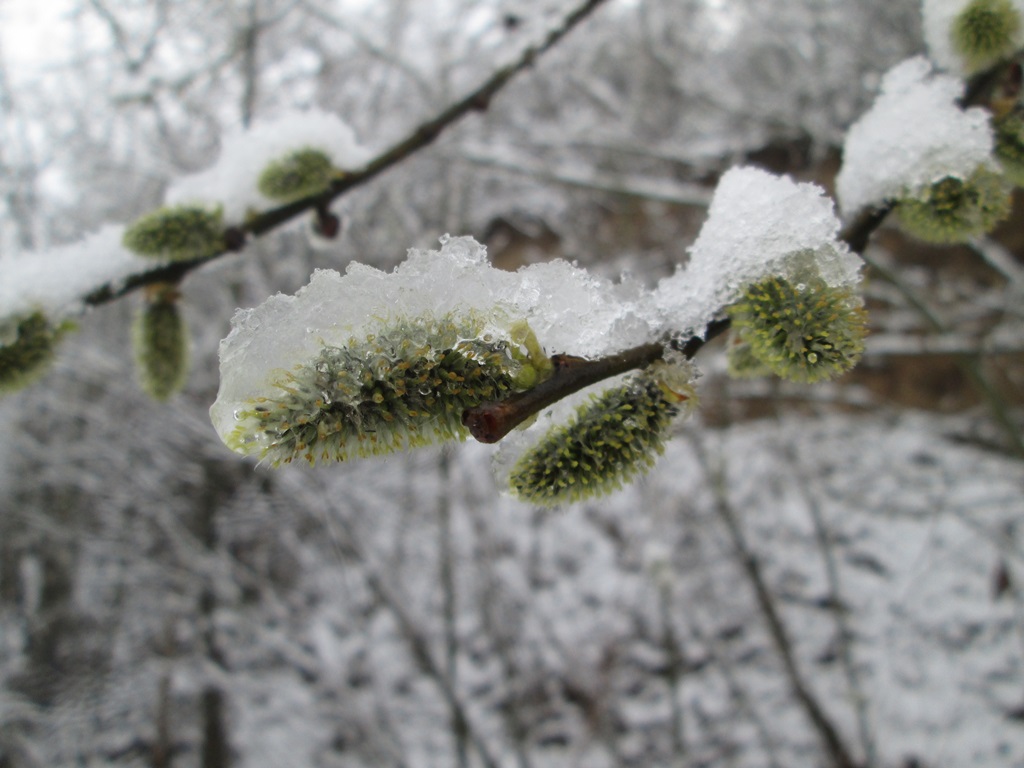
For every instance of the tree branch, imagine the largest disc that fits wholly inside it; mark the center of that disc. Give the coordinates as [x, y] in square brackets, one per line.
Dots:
[490, 422]
[422, 136]
[832, 741]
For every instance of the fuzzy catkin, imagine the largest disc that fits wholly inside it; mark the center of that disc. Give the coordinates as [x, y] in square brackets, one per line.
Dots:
[952, 210]
[28, 351]
[178, 233]
[803, 332]
[403, 387]
[613, 438]
[1009, 149]
[296, 175]
[984, 32]
[161, 348]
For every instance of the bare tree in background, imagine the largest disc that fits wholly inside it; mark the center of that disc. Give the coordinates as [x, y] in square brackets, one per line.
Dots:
[822, 578]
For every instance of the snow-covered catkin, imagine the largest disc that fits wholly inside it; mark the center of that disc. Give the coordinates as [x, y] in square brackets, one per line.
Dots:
[402, 387]
[298, 174]
[161, 345]
[984, 32]
[26, 349]
[953, 209]
[613, 438]
[803, 332]
[178, 233]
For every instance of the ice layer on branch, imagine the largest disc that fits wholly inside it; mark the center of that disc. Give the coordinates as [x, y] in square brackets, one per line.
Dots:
[913, 136]
[233, 180]
[568, 309]
[758, 225]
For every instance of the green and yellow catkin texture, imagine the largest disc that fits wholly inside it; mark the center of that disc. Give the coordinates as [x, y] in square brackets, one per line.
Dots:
[161, 345]
[612, 439]
[26, 349]
[178, 233]
[803, 332]
[1009, 149]
[984, 32]
[296, 175]
[743, 363]
[403, 387]
[952, 210]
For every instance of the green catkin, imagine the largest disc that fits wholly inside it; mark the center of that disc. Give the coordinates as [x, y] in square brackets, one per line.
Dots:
[984, 32]
[161, 347]
[612, 439]
[178, 233]
[743, 363]
[26, 349]
[803, 332]
[299, 174]
[1009, 146]
[403, 387]
[952, 210]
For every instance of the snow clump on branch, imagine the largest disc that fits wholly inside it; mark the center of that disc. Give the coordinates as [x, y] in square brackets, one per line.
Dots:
[370, 362]
[233, 181]
[759, 225]
[915, 135]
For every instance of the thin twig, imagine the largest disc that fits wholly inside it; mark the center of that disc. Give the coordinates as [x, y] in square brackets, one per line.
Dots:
[678, 193]
[725, 667]
[418, 644]
[844, 631]
[425, 661]
[489, 422]
[832, 740]
[446, 565]
[675, 662]
[496, 622]
[422, 136]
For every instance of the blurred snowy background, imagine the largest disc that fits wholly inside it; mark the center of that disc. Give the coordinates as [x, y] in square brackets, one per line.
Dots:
[811, 576]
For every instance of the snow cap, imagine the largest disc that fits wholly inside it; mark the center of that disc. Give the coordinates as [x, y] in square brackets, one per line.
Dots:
[569, 309]
[232, 180]
[757, 223]
[914, 135]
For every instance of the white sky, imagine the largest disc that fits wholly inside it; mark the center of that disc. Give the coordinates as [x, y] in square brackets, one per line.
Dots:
[32, 31]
